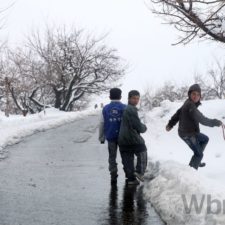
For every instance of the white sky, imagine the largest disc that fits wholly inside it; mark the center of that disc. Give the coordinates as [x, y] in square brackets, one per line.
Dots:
[139, 36]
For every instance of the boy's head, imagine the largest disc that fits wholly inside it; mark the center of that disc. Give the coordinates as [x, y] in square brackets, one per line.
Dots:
[133, 97]
[115, 94]
[194, 93]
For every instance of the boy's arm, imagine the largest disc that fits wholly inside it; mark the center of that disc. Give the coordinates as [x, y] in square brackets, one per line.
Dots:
[174, 119]
[101, 130]
[136, 122]
[200, 118]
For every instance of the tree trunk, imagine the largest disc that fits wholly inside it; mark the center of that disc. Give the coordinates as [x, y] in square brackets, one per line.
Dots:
[68, 95]
[58, 96]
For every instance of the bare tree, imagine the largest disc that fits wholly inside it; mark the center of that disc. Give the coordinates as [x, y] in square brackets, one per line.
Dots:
[147, 100]
[217, 77]
[194, 18]
[20, 71]
[182, 92]
[75, 64]
[81, 104]
[168, 91]
[213, 83]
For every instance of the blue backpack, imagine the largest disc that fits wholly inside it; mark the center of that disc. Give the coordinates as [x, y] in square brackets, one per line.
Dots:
[112, 114]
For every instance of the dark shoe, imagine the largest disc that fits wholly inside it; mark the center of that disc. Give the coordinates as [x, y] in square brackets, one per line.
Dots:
[193, 166]
[202, 164]
[139, 176]
[132, 182]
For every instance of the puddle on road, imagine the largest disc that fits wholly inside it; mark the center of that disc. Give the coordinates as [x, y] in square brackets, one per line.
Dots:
[129, 209]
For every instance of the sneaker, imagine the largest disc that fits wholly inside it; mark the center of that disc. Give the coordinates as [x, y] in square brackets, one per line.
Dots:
[202, 164]
[132, 182]
[139, 176]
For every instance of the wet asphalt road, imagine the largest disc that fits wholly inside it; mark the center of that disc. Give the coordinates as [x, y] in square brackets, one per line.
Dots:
[60, 177]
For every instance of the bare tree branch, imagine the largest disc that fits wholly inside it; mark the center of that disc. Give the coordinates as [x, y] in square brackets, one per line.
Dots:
[193, 18]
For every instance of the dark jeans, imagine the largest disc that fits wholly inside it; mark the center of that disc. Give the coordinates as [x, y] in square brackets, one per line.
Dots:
[128, 161]
[112, 147]
[197, 143]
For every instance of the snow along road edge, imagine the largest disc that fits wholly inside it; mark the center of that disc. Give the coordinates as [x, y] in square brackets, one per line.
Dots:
[16, 128]
[170, 187]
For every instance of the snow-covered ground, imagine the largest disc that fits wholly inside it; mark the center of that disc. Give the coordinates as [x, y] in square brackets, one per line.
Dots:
[14, 128]
[175, 183]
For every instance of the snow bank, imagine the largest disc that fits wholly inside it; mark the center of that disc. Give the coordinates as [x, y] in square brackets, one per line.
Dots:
[173, 178]
[173, 189]
[14, 128]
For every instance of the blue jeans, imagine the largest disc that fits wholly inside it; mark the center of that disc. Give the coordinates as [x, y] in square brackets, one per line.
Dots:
[197, 143]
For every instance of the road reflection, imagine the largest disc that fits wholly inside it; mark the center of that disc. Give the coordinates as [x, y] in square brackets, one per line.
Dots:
[131, 210]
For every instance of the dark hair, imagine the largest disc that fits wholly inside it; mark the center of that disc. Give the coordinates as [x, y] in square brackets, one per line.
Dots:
[133, 93]
[115, 94]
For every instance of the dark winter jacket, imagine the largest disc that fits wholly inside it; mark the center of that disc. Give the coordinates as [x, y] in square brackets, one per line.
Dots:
[189, 118]
[131, 127]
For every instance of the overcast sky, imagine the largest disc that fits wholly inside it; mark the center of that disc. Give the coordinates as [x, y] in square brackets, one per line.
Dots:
[139, 36]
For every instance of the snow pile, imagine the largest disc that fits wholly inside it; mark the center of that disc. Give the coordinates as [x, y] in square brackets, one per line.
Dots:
[175, 184]
[15, 128]
[182, 196]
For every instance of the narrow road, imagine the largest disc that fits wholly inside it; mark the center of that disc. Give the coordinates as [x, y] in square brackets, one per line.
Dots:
[60, 177]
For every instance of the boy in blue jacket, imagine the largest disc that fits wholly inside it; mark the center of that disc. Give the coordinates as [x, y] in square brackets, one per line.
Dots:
[109, 128]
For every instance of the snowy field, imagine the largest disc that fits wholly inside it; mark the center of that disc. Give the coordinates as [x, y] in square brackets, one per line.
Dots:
[14, 128]
[175, 183]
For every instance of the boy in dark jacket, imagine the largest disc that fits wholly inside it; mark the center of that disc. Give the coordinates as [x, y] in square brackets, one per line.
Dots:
[109, 128]
[189, 118]
[130, 141]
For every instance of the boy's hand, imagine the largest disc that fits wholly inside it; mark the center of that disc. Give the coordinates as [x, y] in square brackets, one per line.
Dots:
[218, 122]
[102, 140]
[168, 128]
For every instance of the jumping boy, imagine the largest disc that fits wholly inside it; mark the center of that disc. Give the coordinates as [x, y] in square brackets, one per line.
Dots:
[109, 129]
[189, 118]
[130, 141]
